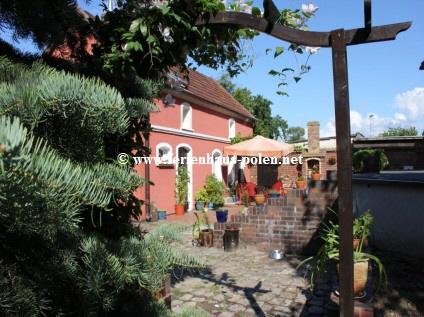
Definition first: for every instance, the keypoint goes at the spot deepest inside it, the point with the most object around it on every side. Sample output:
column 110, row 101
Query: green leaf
column 130, row 46
column 241, row 32
column 273, row 73
column 143, row 30
column 256, row 12
column 296, row 79
column 165, row 10
column 278, row 51
column 268, row 50
column 282, row 93
column 282, row 84
column 137, row 46
column 286, row 69
column 299, row 50
column 134, row 25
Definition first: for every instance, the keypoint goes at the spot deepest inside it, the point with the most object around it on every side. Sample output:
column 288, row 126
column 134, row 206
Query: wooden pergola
column 338, row 40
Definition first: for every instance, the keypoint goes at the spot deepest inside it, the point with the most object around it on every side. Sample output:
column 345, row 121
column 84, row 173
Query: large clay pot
column 356, row 242
column 360, row 276
column 206, row 238
column 259, row 199
column 316, row 177
column 300, row 184
column 179, row 210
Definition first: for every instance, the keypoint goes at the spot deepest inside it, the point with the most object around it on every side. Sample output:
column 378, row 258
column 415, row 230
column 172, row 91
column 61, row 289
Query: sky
column 385, row 85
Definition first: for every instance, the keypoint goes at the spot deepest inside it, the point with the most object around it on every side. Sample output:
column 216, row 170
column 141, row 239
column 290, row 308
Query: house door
column 267, row 175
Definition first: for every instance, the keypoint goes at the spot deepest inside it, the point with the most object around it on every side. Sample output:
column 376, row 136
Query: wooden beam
column 344, row 170
column 307, row 38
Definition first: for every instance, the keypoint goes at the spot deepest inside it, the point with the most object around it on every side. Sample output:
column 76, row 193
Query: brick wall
column 287, row 222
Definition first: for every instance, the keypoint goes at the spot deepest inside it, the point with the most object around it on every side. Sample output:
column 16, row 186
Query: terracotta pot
column 300, row 184
column 360, row 276
column 206, row 238
column 179, row 210
column 260, row 199
column 356, row 242
column 316, row 177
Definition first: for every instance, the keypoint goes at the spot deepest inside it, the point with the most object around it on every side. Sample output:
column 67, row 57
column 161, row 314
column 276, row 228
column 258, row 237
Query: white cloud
column 412, row 102
column 369, row 124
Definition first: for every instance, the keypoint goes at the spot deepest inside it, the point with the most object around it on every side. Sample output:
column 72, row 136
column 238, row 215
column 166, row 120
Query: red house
column 196, row 121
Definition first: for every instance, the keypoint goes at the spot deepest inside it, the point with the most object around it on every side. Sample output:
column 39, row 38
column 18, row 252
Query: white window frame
column 168, row 147
column 219, row 163
column 189, row 169
column 187, row 121
column 231, row 128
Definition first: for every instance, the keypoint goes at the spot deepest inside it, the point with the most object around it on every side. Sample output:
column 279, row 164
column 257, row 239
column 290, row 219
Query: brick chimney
column 313, row 137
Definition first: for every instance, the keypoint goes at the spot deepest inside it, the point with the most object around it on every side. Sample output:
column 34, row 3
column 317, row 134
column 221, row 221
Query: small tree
column 181, row 186
column 400, row 132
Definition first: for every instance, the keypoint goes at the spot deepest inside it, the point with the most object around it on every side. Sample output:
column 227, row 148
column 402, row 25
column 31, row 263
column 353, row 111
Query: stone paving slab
column 247, row 283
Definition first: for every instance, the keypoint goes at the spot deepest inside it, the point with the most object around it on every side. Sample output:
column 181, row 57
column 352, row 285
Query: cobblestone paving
column 247, row 283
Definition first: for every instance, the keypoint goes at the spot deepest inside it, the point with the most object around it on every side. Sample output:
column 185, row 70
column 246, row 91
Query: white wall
column 398, row 210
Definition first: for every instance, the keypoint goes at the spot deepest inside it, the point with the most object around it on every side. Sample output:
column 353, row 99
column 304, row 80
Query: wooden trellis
column 338, row 40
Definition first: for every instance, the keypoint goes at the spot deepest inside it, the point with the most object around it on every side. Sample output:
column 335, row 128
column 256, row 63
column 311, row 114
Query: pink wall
column 205, row 121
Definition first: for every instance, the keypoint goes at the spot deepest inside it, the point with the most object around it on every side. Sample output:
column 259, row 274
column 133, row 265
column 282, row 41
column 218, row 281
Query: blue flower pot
column 221, row 215
column 161, row 214
column 210, row 205
column 235, row 198
column 275, row 195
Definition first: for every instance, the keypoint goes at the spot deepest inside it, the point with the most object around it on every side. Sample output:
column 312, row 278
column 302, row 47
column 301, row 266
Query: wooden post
column 147, row 177
column 344, row 170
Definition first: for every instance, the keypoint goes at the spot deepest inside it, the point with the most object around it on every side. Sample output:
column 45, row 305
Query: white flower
column 124, row 46
column 159, row 4
column 309, row 8
column 246, row 8
column 168, row 100
column 166, row 33
column 299, row 22
column 312, row 50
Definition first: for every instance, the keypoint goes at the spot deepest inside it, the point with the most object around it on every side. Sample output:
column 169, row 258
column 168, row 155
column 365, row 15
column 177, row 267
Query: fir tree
column 66, row 244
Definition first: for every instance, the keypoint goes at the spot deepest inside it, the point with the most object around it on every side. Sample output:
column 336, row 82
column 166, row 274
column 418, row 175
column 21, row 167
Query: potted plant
column 315, row 175
column 201, row 198
column 260, row 196
column 362, row 229
column 329, row 253
column 221, row 214
column 332, row 160
column 215, row 191
column 274, row 193
column 300, row 182
column 204, row 237
column 181, row 190
column 217, row 202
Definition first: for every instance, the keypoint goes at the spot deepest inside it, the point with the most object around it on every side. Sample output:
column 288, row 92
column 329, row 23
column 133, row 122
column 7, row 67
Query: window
column 164, row 151
column 231, row 128
column 186, row 116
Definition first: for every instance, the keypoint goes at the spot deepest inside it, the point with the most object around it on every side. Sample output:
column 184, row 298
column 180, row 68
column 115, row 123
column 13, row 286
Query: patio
column 247, row 283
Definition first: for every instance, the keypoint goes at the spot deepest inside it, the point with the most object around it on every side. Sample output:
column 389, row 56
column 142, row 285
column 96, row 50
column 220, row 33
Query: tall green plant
column 329, row 251
column 181, row 186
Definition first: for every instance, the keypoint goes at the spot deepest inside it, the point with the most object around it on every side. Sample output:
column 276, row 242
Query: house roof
column 210, row 90
column 357, row 135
